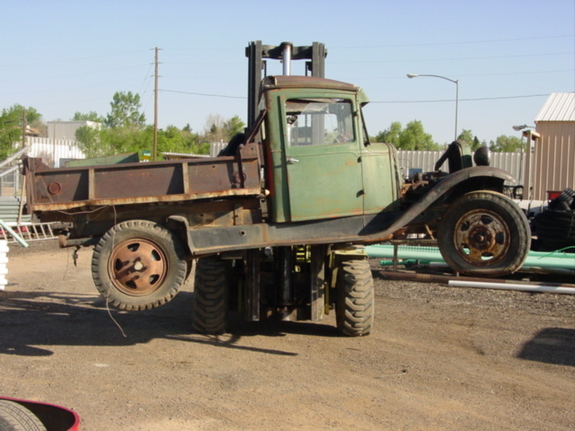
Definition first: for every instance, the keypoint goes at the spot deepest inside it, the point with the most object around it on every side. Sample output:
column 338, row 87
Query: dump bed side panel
column 120, row 184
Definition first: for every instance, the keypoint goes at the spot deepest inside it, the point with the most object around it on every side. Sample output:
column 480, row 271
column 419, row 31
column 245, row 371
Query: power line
column 376, row 101
column 461, row 100
column 456, row 42
column 492, row 57
column 203, row 94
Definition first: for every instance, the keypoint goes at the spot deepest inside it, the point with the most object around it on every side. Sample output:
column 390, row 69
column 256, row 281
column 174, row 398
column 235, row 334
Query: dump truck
column 276, row 224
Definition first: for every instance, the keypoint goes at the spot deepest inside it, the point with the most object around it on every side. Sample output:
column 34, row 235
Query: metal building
column 552, row 167
column 67, row 129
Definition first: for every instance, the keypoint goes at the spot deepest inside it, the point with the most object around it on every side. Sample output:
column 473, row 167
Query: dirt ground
column 440, row 358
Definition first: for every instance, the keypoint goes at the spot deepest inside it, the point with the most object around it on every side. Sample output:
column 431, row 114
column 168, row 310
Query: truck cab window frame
column 317, row 122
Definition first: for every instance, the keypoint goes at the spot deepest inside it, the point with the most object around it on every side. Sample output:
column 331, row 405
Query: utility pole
column 155, row 151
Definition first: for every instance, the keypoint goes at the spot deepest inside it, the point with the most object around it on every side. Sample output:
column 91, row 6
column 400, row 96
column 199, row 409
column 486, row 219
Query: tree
column 391, row 135
column 214, row 129
column 233, row 126
column 507, row 144
column 468, row 137
column 90, row 142
column 126, row 111
column 217, row 129
column 90, row 116
column 11, row 126
column 412, row 137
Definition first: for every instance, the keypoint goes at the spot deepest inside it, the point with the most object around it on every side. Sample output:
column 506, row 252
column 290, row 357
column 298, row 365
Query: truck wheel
column 211, row 296
column 138, row 265
column 484, row 234
column 355, row 298
column 16, row 417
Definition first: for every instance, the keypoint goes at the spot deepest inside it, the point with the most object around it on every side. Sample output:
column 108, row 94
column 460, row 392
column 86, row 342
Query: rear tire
column 138, row 265
column 16, row 417
column 211, row 287
column 355, row 298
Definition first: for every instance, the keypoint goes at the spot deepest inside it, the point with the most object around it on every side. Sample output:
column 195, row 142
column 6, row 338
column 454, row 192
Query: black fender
column 452, row 186
column 180, row 226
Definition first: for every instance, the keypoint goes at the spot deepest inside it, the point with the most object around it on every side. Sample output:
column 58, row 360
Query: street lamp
column 455, row 81
column 522, row 127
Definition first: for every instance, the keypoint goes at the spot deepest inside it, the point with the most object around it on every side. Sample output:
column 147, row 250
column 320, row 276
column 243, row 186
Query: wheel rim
column 482, row 237
column 137, row 266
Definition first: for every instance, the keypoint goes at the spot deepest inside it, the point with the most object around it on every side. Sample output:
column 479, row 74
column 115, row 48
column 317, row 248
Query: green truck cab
column 323, row 165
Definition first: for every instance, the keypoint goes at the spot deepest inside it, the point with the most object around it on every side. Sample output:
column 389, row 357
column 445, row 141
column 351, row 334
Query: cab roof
column 291, row 81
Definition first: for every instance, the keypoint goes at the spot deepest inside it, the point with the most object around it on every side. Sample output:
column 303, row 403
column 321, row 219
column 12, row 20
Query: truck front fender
column 452, row 186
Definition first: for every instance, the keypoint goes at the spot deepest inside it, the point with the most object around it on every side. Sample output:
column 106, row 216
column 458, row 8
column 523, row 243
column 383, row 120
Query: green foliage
column 472, row 140
column 90, row 116
column 391, row 135
column 89, row 141
column 412, row 137
column 11, row 127
column 125, row 111
column 125, row 131
column 507, row 144
column 119, row 140
column 175, row 140
column 217, row 129
column 233, row 126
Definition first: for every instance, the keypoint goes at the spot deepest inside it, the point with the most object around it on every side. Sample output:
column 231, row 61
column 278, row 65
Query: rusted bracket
column 252, row 134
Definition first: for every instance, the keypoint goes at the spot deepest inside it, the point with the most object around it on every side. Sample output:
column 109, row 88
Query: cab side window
column 319, row 122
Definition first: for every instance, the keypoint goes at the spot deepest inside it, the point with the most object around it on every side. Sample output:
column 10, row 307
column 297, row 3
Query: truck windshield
column 319, row 121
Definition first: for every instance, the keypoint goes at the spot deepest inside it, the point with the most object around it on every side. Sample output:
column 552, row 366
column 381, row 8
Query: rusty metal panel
column 216, row 177
column 171, row 181
column 137, row 181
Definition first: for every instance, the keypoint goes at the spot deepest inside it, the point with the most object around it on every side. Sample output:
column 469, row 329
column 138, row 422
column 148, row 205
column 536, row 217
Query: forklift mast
column 257, row 53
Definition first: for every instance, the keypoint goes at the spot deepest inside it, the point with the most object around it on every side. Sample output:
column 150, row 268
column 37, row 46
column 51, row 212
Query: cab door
column 322, row 158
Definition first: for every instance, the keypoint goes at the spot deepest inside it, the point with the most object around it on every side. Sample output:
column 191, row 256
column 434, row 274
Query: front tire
column 484, row 234
column 211, row 286
column 138, row 265
column 355, row 298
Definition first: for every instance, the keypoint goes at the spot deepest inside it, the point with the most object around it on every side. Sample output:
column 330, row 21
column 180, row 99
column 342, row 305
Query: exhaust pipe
column 287, row 51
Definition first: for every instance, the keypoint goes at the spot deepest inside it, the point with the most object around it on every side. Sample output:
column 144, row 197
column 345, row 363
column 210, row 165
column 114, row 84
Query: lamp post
column 518, row 128
column 455, row 81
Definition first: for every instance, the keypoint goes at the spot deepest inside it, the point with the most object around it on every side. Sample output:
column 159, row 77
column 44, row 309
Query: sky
column 62, row 57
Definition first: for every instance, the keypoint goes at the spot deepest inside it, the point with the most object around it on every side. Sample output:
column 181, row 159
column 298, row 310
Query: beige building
column 550, row 165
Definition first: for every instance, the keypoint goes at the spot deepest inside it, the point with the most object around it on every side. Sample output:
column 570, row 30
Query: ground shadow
column 551, row 346
column 34, row 321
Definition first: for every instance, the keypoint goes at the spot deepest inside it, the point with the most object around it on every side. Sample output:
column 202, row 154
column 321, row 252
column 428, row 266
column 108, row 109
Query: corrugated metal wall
column 67, row 129
column 554, row 158
column 425, row 160
column 216, row 147
column 52, row 151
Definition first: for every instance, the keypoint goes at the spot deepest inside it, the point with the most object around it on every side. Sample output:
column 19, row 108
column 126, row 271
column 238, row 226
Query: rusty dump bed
column 129, row 183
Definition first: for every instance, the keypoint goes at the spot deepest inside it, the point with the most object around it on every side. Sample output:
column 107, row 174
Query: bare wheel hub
column 137, row 266
column 482, row 237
